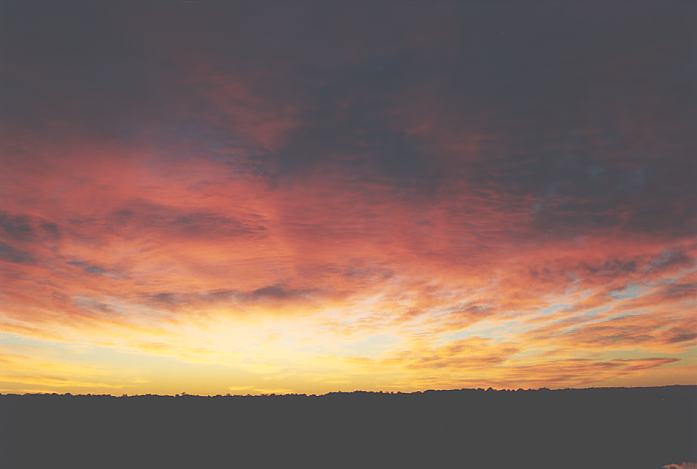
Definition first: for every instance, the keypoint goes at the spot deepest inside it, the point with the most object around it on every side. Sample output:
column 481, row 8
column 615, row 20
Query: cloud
column 88, row 267
column 150, row 217
column 680, row 290
column 23, row 228
column 464, row 354
column 16, row 226
column 392, row 196
column 581, row 372
column 11, row 254
column 278, row 293
column 671, row 260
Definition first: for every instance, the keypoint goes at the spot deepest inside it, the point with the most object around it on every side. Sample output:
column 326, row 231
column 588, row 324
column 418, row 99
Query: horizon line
column 357, row 391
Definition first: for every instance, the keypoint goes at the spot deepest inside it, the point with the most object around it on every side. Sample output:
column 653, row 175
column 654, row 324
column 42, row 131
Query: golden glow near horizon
column 172, row 290
column 179, row 213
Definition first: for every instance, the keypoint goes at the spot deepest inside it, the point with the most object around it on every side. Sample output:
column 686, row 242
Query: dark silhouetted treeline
column 629, row 428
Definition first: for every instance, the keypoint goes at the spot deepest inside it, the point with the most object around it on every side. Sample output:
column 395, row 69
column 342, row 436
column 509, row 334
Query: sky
column 273, row 197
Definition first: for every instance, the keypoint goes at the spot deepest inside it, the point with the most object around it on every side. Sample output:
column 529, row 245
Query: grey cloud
column 613, row 267
column 669, row 259
column 10, row 254
column 273, row 292
column 17, row 227
column 277, row 292
column 680, row 290
column 180, row 222
column 88, row 267
column 594, row 142
column 25, row 228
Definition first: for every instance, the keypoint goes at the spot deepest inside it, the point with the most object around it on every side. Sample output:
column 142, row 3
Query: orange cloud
column 218, row 209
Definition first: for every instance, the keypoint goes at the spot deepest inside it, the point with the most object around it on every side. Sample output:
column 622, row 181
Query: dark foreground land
column 593, row 428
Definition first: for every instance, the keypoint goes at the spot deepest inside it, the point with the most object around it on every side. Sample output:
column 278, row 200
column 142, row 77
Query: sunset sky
column 268, row 197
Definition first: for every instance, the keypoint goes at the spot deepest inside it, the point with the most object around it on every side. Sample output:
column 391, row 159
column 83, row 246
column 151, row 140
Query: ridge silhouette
column 630, row 428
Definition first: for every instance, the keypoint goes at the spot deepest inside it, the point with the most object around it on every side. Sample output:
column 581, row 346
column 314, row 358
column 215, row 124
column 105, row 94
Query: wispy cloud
column 303, row 207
